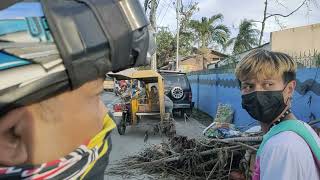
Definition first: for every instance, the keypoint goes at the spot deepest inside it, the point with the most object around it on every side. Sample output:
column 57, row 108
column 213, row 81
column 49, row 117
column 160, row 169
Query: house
column 198, row 62
column 232, row 60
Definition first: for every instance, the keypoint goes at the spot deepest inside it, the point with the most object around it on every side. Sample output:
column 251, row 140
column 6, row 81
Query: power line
column 166, row 11
column 162, row 5
column 164, row 14
column 170, row 4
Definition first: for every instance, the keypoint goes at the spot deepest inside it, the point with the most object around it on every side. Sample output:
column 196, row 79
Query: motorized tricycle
column 144, row 97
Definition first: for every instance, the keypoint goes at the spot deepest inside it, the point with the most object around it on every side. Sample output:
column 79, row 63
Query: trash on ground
column 221, row 130
column 222, row 126
column 224, row 113
column 184, row 158
column 253, row 130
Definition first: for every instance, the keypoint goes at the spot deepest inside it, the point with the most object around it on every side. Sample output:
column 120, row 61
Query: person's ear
column 288, row 92
column 13, row 150
column 291, row 87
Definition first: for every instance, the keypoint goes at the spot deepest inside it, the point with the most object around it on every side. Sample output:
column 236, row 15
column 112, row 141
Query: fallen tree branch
column 213, row 169
column 184, row 158
column 178, row 156
column 239, row 139
column 247, row 146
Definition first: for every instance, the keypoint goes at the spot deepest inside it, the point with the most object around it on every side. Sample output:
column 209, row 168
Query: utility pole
column 178, row 33
column 153, row 22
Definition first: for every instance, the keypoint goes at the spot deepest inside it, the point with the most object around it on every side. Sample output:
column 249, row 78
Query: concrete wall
column 300, row 41
column 210, row 89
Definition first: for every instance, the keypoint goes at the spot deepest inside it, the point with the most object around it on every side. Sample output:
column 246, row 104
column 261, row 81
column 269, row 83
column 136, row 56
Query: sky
column 236, row 10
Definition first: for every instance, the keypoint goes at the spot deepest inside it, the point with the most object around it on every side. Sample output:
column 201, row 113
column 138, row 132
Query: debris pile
column 224, row 113
column 222, row 126
column 184, row 158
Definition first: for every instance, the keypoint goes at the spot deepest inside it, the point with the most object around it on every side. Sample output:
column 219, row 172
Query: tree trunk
column 261, row 33
column 265, row 17
column 263, row 21
column 203, row 42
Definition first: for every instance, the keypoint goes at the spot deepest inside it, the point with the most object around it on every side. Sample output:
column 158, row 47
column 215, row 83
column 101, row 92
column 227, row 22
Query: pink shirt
column 287, row 156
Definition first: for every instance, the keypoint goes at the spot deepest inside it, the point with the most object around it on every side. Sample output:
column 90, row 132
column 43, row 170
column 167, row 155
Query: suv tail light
column 190, row 96
column 117, row 108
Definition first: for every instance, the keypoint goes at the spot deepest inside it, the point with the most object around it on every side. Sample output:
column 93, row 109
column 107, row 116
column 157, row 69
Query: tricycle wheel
column 121, row 126
column 121, row 129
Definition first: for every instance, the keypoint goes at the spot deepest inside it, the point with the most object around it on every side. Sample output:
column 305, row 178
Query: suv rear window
column 175, row 80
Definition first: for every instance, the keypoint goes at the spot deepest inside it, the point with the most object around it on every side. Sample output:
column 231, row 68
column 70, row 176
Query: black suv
column 178, row 89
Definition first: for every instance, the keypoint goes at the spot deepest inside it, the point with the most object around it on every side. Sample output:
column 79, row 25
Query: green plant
column 318, row 60
column 246, row 39
column 210, row 30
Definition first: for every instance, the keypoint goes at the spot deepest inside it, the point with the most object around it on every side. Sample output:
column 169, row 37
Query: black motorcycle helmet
column 63, row 44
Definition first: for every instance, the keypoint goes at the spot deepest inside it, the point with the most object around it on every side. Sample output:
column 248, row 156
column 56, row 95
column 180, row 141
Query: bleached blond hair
column 262, row 64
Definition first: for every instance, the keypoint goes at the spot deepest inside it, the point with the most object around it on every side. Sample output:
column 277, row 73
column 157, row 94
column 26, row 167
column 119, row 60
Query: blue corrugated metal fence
column 211, row 88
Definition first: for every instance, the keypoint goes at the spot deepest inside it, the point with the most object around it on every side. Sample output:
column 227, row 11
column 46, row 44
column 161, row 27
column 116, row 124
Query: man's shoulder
column 290, row 139
column 290, row 147
column 284, row 152
column 287, row 140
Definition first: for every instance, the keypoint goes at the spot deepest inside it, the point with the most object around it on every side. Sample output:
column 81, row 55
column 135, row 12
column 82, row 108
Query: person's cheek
column 103, row 109
column 97, row 110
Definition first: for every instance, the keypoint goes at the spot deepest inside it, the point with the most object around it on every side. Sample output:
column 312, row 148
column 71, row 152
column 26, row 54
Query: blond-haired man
column 290, row 148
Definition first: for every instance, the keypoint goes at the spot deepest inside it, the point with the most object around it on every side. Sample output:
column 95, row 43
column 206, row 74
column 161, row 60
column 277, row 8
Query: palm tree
column 247, row 37
column 209, row 30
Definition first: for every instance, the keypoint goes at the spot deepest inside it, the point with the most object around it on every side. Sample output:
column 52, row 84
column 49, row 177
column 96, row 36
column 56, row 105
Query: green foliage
column 186, row 43
column 247, row 37
column 210, row 30
column 166, row 41
column 165, row 46
column 318, row 60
